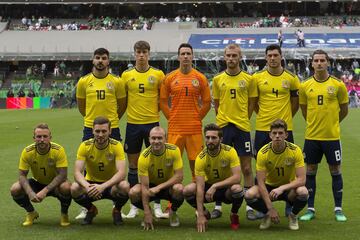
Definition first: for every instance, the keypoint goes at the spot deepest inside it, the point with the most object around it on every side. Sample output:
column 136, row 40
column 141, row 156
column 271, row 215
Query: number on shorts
column 338, row 155
column 247, row 147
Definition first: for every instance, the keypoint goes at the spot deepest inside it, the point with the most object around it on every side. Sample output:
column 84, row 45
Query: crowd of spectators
column 281, row 21
column 44, row 23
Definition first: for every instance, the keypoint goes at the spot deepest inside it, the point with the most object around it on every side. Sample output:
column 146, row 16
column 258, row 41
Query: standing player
column 278, row 98
column 217, row 171
column 142, row 84
column 234, row 93
column 104, row 160
column 100, row 93
column 48, row 163
column 280, row 172
column 161, row 175
column 189, row 94
column 324, row 104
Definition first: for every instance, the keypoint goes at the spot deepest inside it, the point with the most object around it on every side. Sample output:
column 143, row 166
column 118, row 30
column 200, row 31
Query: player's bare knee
column 16, row 189
column 335, row 169
column 189, row 190
column 311, row 169
column 236, row 188
column 135, row 192
column 252, row 193
column 302, row 191
column 124, row 186
column 65, row 188
column 178, row 189
column 75, row 190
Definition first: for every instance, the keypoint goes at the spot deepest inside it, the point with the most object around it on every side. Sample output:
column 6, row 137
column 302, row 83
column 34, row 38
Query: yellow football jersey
column 143, row 90
column 233, row 93
column 280, row 167
column 101, row 96
column 43, row 166
column 274, row 98
column 160, row 168
column 100, row 164
column 323, row 100
column 216, row 168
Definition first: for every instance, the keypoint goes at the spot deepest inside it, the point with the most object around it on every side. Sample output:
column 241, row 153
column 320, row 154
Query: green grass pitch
column 16, row 132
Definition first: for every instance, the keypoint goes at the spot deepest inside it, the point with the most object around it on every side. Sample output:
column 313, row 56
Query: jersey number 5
column 141, row 88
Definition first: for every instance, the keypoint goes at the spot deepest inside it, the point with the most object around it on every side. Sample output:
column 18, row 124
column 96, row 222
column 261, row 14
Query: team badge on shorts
column 289, row 161
column 151, row 79
column 285, row 84
column 110, row 85
column 331, row 90
column 110, row 157
column 51, row 162
column 195, row 83
column 242, row 84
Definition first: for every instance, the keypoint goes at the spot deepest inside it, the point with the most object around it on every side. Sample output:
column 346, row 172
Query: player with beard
column 217, row 173
column 104, row 159
column 100, row 93
column 235, row 93
column 48, row 164
column 278, row 98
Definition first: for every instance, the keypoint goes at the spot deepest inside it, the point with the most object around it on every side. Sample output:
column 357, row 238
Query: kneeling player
column 48, row 164
column 280, row 174
column 104, row 160
column 217, row 172
column 161, row 173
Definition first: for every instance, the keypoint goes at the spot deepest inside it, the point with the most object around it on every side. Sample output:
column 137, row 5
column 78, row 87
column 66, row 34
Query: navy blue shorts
column 315, row 149
column 262, row 138
column 238, row 139
column 106, row 194
column 219, row 195
column 88, row 133
column 282, row 197
column 136, row 134
column 37, row 187
column 164, row 194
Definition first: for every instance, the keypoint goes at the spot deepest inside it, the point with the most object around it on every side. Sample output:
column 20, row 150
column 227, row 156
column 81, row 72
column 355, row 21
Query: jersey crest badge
column 169, row 162
column 224, row 163
column 91, row 84
column 110, row 157
column 110, row 85
column 242, row 84
column 151, row 79
column 195, row 83
column 331, row 90
column 289, row 161
column 51, row 162
column 285, row 84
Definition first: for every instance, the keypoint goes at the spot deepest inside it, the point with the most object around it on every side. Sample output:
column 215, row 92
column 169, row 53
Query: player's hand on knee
column 34, row 198
column 210, row 194
column 153, row 191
